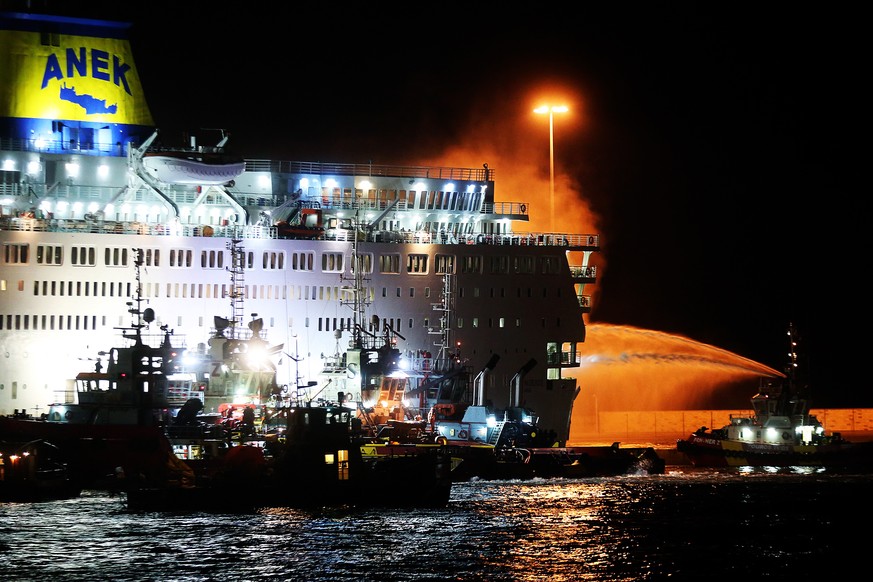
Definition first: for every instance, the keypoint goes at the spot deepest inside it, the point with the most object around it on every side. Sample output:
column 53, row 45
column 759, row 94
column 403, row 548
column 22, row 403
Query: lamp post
column 551, row 110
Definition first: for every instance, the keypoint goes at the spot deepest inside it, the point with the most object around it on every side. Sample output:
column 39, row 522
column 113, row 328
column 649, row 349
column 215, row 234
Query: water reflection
column 682, row 523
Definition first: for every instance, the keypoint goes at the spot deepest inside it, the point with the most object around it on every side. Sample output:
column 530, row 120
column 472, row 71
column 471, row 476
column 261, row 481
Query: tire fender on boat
column 441, row 440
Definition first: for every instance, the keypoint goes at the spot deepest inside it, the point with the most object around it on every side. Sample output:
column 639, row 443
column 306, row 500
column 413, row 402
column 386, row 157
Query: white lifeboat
column 198, row 168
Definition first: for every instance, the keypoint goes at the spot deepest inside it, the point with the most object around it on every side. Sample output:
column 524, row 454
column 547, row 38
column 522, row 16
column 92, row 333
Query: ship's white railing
column 577, row 241
column 143, row 228
column 327, row 169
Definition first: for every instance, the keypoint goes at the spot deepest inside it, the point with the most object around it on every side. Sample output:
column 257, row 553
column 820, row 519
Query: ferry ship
column 437, row 259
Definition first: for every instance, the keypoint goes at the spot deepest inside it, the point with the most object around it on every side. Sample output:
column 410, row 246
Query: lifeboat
column 196, row 168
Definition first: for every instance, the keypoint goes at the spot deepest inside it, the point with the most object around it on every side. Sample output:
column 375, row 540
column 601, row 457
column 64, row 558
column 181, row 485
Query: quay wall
column 669, row 423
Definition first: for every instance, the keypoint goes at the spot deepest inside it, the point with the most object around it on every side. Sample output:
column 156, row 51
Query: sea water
column 685, row 524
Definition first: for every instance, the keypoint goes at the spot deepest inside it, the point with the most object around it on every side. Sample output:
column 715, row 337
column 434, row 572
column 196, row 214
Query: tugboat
column 115, row 423
column 781, row 432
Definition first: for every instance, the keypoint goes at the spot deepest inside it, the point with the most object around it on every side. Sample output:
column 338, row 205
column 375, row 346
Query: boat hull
column 95, row 453
column 35, row 471
column 179, row 170
column 477, row 461
column 406, row 479
column 708, row 451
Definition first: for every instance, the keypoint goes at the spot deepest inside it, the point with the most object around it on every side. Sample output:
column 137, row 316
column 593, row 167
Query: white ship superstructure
column 76, row 199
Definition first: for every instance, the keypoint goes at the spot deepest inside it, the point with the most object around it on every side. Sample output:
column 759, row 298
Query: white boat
column 441, row 261
column 197, row 168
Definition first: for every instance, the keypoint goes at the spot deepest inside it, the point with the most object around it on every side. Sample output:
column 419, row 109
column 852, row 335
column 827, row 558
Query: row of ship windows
column 90, row 322
column 304, row 261
column 282, row 292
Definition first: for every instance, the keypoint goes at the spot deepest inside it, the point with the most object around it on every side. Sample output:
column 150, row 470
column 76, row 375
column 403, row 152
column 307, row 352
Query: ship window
column 302, row 261
column 475, row 322
column 471, row 264
column 459, row 322
column 332, row 262
column 88, row 256
column 15, row 253
column 152, row 257
column 389, row 263
column 115, row 256
column 500, row 264
column 49, row 254
column 416, row 263
column 549, row 266
column 273, row 260
column 177, row 257
column 444, row 264
column 365, row 262
column 212, row 259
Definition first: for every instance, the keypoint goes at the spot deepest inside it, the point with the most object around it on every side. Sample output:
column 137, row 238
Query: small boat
column 116, row 421
column 35, row 471
column 195, row 165
column 781, row 432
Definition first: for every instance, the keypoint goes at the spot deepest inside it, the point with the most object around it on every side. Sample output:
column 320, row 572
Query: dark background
column 717, row 152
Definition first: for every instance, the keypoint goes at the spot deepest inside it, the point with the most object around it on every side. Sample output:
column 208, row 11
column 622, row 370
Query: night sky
column 716, row 153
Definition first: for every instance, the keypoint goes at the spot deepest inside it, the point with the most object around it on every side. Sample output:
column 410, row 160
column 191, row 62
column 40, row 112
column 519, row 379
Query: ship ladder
column 496, row 432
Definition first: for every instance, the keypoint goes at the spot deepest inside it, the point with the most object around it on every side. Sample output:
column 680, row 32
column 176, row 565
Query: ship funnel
column 515, row 395
column 479, row 382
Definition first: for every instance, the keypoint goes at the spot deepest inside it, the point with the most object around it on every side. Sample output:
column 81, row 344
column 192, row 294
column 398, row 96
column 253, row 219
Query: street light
column 551, row 110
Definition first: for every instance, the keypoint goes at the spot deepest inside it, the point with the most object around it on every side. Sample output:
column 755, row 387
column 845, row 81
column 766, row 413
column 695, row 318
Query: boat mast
column 134, row 308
